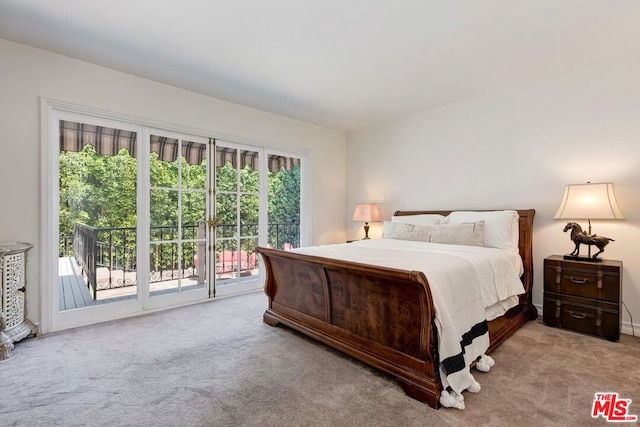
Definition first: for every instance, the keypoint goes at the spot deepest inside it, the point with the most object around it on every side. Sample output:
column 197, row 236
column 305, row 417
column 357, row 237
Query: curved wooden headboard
column 525, row 241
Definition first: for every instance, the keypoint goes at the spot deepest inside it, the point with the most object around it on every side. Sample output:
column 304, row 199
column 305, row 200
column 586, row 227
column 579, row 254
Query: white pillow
column 454, row 234
column 399, row 231
column 468, row 233
column 422, row 219
column 501, row 228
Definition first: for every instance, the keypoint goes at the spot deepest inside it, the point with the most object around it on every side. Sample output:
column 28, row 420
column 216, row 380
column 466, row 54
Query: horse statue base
column 580, row 237
column 582, row 258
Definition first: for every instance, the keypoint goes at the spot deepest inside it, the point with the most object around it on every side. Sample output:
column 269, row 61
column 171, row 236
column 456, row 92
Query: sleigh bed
column 382, row 316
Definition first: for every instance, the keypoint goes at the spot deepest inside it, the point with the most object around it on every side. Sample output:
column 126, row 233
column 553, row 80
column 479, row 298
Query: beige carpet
column 218, row 364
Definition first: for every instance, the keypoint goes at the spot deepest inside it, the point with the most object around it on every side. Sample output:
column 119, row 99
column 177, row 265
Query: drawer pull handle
column 578, row 280
column 577, row 315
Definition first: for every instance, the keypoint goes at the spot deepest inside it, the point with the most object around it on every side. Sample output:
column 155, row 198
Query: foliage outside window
column 100, row 191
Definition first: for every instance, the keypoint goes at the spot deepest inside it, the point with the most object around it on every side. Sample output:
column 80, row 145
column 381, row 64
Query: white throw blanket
column 464, row 280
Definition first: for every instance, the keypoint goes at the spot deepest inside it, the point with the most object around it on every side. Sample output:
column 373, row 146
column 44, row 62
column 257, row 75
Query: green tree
column 101, row 191
column 284, row 206
column 96, row 190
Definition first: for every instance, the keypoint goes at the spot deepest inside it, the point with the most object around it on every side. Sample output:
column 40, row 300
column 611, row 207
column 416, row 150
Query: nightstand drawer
column 589, row 280
column 582, row 318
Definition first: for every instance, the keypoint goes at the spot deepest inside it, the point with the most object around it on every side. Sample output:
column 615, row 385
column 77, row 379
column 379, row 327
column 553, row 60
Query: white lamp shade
column 589, row 201
column 367, row 212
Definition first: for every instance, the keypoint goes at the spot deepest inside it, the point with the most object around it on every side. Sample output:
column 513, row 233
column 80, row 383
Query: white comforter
column 464, row 282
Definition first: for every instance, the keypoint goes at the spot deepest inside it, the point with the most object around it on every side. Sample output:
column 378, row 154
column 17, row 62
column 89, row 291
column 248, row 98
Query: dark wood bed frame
column 381, row 316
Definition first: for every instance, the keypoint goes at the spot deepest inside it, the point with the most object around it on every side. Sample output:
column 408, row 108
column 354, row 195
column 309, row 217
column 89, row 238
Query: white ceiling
column 345, row 64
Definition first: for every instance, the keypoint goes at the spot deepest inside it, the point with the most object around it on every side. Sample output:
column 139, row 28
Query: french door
column 180, row 205
column 94, row 168
column 140, row 217
column 238, row 183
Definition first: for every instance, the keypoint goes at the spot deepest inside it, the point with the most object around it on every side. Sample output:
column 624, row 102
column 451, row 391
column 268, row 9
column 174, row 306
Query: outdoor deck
column 74, row 292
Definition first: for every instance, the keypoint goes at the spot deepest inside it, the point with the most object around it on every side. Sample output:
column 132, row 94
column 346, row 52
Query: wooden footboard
column 381, row 316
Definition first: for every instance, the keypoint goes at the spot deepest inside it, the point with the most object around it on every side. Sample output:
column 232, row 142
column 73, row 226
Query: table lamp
column 588, row 201
column 366, row 212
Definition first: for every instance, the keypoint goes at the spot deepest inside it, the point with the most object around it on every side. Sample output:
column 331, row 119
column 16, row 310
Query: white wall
column 516, row 148
column 27, row 73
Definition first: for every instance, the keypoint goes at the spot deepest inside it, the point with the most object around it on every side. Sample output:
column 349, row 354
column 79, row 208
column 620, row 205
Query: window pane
column 283, row 183
column 250, row 172
column 249, row 208
column 97, row 215
column 164, row 262
column 164, row 215
column 249, row 257
column 163, row 165
column 226, row 208
column 194, row 210
column 226, row 172
column 194, row 165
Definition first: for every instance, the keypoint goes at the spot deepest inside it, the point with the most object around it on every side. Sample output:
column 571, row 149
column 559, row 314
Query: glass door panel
column 114, row 262
column 284, row 196
column 178, row 211
column 97, row 214
column 237, row 204
column 249, row 257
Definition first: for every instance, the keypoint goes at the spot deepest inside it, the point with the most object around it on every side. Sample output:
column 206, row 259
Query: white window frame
column 51, row 111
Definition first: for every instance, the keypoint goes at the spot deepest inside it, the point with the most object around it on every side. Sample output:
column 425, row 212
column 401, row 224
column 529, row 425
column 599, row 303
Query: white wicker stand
column 14, row 324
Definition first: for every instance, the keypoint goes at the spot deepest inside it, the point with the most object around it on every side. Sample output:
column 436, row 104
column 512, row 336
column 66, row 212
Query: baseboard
column 626, row 328
column 539, row 307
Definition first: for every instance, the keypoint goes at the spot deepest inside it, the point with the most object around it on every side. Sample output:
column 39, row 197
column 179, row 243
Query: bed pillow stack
column 501, row 229
column 494, row 229
column 468, row 233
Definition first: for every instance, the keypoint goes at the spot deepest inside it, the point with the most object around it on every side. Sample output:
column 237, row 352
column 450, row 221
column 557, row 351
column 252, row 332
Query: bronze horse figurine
column 580, row 237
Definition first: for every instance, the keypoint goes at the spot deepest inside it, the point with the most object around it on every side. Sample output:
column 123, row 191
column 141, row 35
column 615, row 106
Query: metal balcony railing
column 108, row 259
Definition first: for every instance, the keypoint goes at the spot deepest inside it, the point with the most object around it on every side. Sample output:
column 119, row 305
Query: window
column 130, row 211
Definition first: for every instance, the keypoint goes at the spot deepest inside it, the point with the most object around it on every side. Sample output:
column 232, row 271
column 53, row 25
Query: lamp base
column 366, row 230
column 582, row 258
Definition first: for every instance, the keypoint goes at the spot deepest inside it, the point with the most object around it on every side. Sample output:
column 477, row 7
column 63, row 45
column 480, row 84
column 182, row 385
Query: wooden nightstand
column 583, row 296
